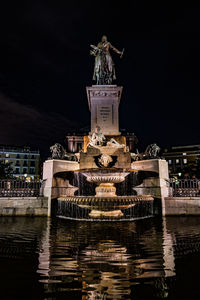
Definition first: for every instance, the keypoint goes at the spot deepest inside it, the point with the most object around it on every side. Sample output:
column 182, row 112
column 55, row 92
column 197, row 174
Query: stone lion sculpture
column 58, row 152
column 152, row 151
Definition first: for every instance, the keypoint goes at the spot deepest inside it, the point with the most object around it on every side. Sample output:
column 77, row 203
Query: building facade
column 24, row 161
column 183, row 161
column 75, row 142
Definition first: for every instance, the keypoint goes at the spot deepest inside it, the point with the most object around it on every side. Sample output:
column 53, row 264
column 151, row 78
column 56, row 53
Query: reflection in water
column 168, row 251
column 19, row 248
column 44, row 253
column 59, row 259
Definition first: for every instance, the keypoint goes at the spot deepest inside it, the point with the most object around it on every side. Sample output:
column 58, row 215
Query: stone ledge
column 182, row 198
column 23, row 206
column 182, row 206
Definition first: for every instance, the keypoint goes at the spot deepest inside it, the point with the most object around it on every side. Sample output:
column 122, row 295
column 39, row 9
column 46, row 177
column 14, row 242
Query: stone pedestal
column 120, row 158
column 155, row 186
column 105, row 180
column 54, row 187
column 106, row 190
column 103, row 101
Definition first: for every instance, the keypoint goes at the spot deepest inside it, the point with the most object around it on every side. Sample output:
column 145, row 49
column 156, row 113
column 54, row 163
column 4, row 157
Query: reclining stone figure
column 97, row 138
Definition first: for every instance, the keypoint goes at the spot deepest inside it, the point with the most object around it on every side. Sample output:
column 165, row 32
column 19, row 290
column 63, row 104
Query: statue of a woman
column 104, row 69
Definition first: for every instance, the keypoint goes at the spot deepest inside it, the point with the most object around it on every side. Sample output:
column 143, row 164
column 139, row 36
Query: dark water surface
column 60, row 259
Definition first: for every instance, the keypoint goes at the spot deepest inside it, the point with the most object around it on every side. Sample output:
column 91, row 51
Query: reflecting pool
column 59, row 259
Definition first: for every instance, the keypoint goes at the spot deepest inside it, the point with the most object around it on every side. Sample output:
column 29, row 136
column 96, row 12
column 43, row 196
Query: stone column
column 48, row 182
column 70, row 144
column 164, row 185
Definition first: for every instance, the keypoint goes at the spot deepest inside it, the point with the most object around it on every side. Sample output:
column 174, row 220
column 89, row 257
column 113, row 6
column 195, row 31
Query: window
column 177, row 161
column 33, row 157
column 32, row 170
column 184, row 153
column 32, row 164
column 6, row 161
column 17, row 163
column 185, row 160
column 18, row 156
column 7, row 155
column 170, row 161
column 25, row 163
column 24, row 170
column 25, row 156
column 16, row 170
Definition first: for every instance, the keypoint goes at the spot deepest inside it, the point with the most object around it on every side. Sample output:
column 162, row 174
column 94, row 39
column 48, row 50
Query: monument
column 83, row 186
column 104, row 97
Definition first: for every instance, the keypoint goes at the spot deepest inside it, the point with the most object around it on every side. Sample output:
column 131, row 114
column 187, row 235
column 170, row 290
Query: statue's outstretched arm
column 115, row 49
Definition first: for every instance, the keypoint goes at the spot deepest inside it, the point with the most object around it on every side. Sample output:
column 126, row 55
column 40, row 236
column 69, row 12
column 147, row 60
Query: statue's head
column 104, row 38
column 97, row 129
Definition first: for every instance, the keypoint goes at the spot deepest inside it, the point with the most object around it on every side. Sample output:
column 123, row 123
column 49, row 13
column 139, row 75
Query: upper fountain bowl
column 105, row 176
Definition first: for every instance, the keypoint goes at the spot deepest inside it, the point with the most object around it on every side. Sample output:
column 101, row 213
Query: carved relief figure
column 105, row 160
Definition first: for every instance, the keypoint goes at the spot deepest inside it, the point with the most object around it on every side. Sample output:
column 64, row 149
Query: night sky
column 45, row 66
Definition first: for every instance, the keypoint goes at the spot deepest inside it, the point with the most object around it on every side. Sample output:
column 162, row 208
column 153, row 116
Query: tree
column 6, row 170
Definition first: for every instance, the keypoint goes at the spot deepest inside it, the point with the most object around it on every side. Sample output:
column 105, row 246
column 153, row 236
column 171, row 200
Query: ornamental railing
column 184, row 188
column 19, row 188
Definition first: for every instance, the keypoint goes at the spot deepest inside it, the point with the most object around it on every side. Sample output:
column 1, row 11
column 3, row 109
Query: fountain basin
column 90, row 208
column 105, row 177
column 105, row 180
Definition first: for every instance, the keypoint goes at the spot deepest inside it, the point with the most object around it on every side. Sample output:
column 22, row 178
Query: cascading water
column 85, row 188
column 85, row 205
column 80, row 208
column 126, row 187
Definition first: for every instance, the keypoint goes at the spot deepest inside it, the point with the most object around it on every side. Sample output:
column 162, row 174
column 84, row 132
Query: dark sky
column 45, row 66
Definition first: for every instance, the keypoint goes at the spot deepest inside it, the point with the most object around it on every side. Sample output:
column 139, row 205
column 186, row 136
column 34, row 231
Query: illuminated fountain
column 105, row 205
column 110, row 164
column 104, row 161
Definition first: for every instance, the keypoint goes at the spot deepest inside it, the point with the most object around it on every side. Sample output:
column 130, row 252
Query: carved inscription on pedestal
column 104, row 94
column 104, row 115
